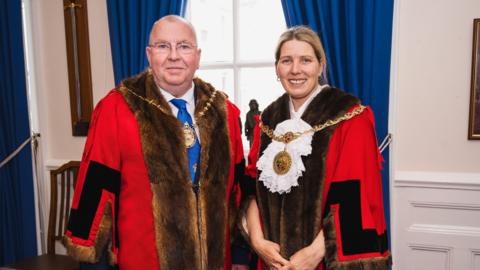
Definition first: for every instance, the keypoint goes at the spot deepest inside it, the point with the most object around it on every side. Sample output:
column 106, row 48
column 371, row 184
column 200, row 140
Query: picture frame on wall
column 474, row 118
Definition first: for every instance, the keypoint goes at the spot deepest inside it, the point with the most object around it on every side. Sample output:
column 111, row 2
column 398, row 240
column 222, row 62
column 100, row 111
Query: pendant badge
column 189, row 134
column 282, row 162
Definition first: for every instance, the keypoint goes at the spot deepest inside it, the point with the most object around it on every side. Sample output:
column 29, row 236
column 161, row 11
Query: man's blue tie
column 194, row 150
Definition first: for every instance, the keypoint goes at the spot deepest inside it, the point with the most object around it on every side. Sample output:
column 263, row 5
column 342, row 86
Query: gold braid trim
column 290, row 136
column 200, row 114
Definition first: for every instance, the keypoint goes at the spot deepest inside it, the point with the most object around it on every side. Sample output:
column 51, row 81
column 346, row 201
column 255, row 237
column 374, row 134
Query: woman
column 318, row 202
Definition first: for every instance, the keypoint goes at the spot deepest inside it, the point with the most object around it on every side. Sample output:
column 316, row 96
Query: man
column 157, row 172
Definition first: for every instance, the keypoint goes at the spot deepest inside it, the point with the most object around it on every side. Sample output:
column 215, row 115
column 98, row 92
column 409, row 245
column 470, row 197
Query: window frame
column 236, row 64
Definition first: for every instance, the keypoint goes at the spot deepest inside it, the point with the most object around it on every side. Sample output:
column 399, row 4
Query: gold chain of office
column 156, row 105
column 290, row 136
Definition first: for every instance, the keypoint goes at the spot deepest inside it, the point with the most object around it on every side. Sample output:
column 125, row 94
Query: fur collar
column 294, row 219
column 178, row 224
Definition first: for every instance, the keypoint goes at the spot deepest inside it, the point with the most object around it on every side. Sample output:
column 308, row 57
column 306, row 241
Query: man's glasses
column 183, row 48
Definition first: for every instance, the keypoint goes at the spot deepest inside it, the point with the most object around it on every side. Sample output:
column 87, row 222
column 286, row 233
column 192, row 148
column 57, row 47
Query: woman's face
column 298, row 70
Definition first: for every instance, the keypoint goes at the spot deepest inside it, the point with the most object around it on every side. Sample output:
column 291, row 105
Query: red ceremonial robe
column 339, row 192
column 134, row 192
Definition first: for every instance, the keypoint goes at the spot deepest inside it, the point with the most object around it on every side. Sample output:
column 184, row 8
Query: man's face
column 173, row 64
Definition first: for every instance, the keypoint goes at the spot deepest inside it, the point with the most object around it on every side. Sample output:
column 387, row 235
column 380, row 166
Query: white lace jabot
column 301, row 146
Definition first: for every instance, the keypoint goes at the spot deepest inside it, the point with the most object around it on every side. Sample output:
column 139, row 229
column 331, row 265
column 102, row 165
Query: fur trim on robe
column 291, row 228
column 178, row 224
column 293, row 220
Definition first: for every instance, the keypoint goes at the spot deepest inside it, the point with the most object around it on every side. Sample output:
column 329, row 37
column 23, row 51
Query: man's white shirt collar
column 189, row 96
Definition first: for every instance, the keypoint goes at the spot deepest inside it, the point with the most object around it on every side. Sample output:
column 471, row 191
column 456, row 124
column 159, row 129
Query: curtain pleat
column 17, row 208
column 356, row 35
column 130, row 23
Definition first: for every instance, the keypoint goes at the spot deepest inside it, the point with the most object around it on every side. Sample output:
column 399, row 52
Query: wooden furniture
column 46, row 262
column 62, row 183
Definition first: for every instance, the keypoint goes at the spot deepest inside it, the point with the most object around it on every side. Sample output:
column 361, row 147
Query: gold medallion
column 189, row 134
column 282, row 162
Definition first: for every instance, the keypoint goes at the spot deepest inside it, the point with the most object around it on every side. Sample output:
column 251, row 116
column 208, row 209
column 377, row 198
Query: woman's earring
column 278, row 78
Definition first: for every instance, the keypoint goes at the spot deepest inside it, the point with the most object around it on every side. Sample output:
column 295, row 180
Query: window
column 238, row 40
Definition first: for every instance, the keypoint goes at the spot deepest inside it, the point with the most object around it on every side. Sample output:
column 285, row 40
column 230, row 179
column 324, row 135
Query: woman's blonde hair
column 302, row 33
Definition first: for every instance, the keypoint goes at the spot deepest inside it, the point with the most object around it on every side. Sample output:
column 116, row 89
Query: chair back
column 62, row 184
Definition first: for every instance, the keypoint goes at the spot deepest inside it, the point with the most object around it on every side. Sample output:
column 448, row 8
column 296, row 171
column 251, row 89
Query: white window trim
column 40, row 192
column 236, row 64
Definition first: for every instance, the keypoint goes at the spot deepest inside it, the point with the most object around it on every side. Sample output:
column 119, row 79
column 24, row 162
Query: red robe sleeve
column 237, row 158
column 354, row 223
column 237, row 168
column 91, row 227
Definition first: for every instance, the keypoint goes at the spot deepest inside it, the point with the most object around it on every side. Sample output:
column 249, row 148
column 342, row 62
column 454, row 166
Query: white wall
column 433, row 51
column 52, row 75
column 435, row 169
column 51, row 82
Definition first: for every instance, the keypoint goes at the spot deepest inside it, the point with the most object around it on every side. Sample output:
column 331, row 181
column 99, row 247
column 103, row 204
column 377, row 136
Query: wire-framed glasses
column 163, row 47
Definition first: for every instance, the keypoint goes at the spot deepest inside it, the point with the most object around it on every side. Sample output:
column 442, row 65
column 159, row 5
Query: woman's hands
column 309, row 257
column 306, row 258
column 269, row 252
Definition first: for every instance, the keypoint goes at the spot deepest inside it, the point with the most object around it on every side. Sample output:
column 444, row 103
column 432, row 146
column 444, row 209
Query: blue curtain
column 130, row 23
column 17, row 208
column 357, row 37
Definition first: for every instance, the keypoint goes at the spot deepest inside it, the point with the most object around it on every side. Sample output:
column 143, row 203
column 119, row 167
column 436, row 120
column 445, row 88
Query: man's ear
column 148, row 52
column 199, row 57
